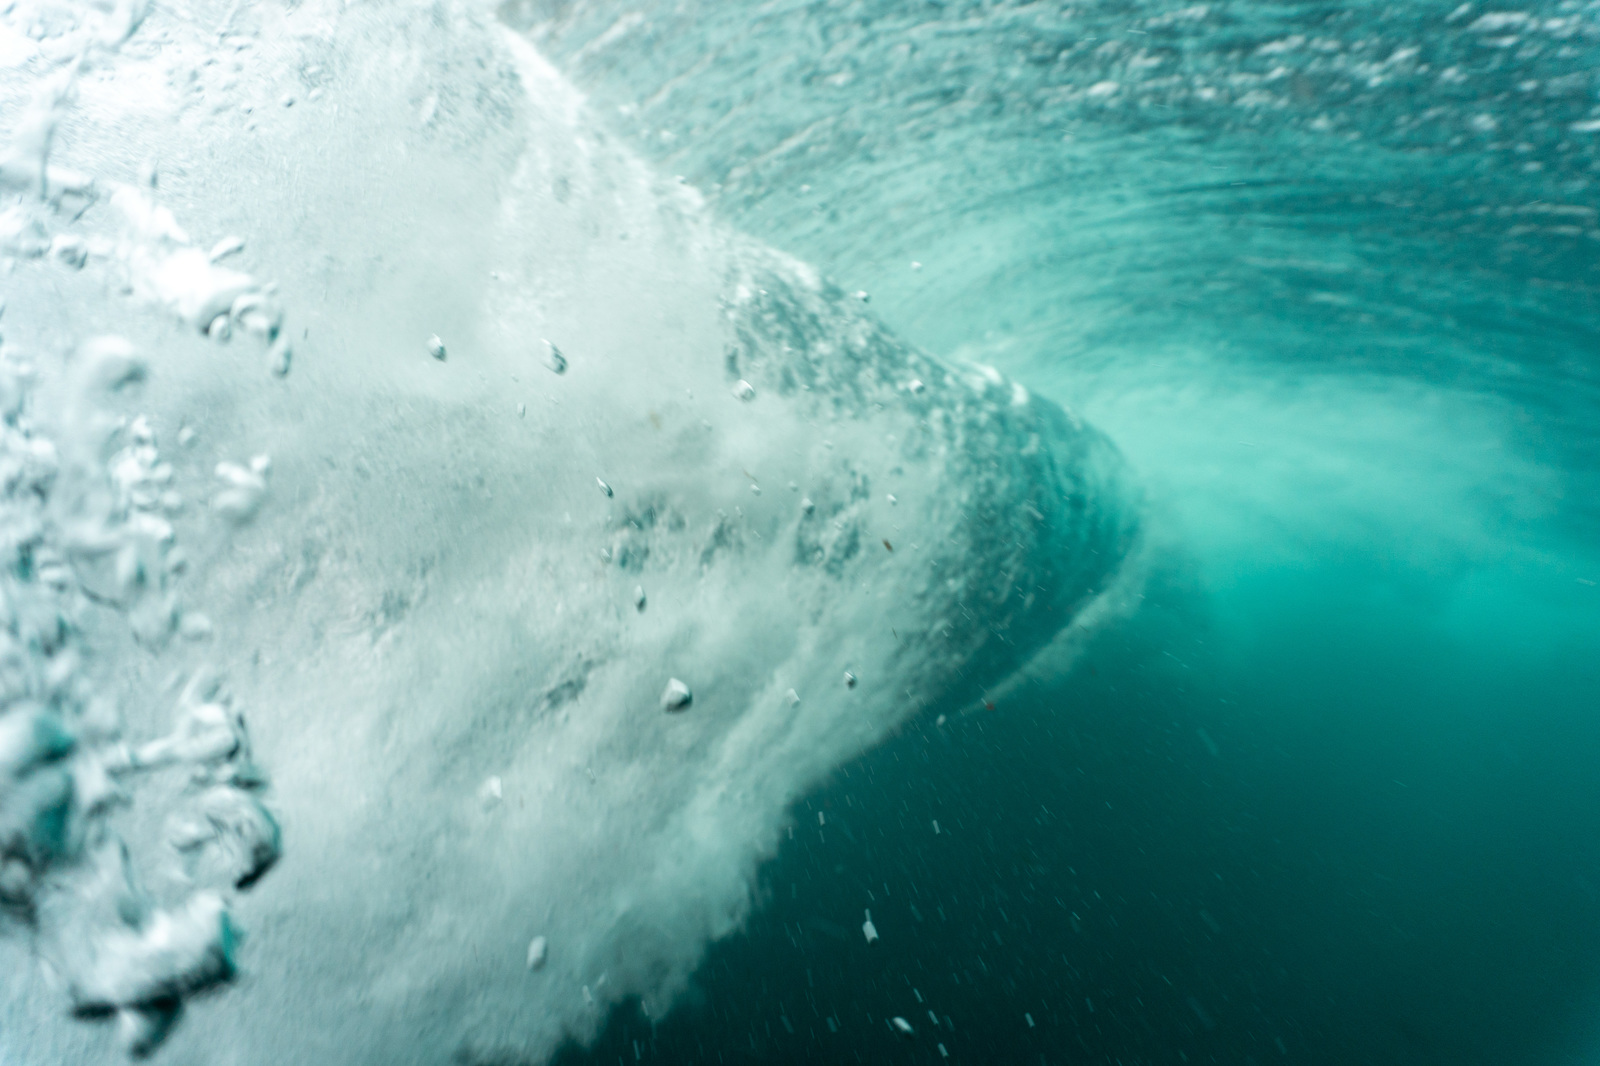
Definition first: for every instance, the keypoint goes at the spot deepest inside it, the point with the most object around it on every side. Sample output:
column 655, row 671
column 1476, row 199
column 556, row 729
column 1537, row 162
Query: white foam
column 428, row 593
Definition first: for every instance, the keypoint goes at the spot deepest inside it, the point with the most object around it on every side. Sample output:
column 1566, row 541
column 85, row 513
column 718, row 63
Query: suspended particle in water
column 861, row 294
column 916, row 387
column 279, row 358
column 902, row 1026
column 538, row 952
column 849, row 679
column 870, row 931
column 639, row 598
column 1029, row 1019
column 554, row 359
column 676, row 696
column 436, row 348
column 522, row 410
column 806, row 506
column 792, row 697
column 744, row 391
column 604, row 488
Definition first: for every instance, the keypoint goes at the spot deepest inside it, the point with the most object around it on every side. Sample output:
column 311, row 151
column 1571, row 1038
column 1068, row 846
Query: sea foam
column 411, row 587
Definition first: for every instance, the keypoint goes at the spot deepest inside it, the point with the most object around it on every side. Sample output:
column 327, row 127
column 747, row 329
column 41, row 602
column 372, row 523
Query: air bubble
column 554, row 359
column 225, row 247
column 676, row 696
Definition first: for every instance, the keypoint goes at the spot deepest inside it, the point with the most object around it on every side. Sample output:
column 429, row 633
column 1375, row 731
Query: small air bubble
column 676, row 696
column 554, row 359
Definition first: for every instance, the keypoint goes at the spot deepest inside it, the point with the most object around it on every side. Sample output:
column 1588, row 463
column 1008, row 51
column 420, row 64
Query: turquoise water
column 518, row 520
column 1326, row 274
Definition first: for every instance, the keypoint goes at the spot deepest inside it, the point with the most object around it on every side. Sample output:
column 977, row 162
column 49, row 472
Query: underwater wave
column 437, row 553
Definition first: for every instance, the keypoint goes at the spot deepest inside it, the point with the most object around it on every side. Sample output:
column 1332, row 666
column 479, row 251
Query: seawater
column 1326, row 274
column 1299, row 298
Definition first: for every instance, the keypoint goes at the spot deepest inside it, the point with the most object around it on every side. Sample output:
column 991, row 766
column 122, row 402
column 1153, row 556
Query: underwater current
column 799, row 531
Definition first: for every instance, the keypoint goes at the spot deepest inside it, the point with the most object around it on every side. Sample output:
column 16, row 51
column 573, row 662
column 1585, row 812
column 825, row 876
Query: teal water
column 1326, row 274
column 467, row 596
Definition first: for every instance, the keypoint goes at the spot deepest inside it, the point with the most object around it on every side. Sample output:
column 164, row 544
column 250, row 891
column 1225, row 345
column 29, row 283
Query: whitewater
column 530, row 632
column 860, row 531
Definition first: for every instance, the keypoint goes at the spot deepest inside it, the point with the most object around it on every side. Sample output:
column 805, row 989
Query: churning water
column 800, row 531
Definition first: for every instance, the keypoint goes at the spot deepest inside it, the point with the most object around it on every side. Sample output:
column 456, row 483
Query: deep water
column 1310, row 811
column 1327, row 275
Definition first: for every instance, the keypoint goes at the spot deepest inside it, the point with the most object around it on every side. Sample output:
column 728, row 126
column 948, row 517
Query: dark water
column 1327, row 273
column 1377, row 863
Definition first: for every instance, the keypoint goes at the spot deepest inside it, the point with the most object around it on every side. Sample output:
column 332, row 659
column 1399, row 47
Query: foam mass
column 487, row 544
